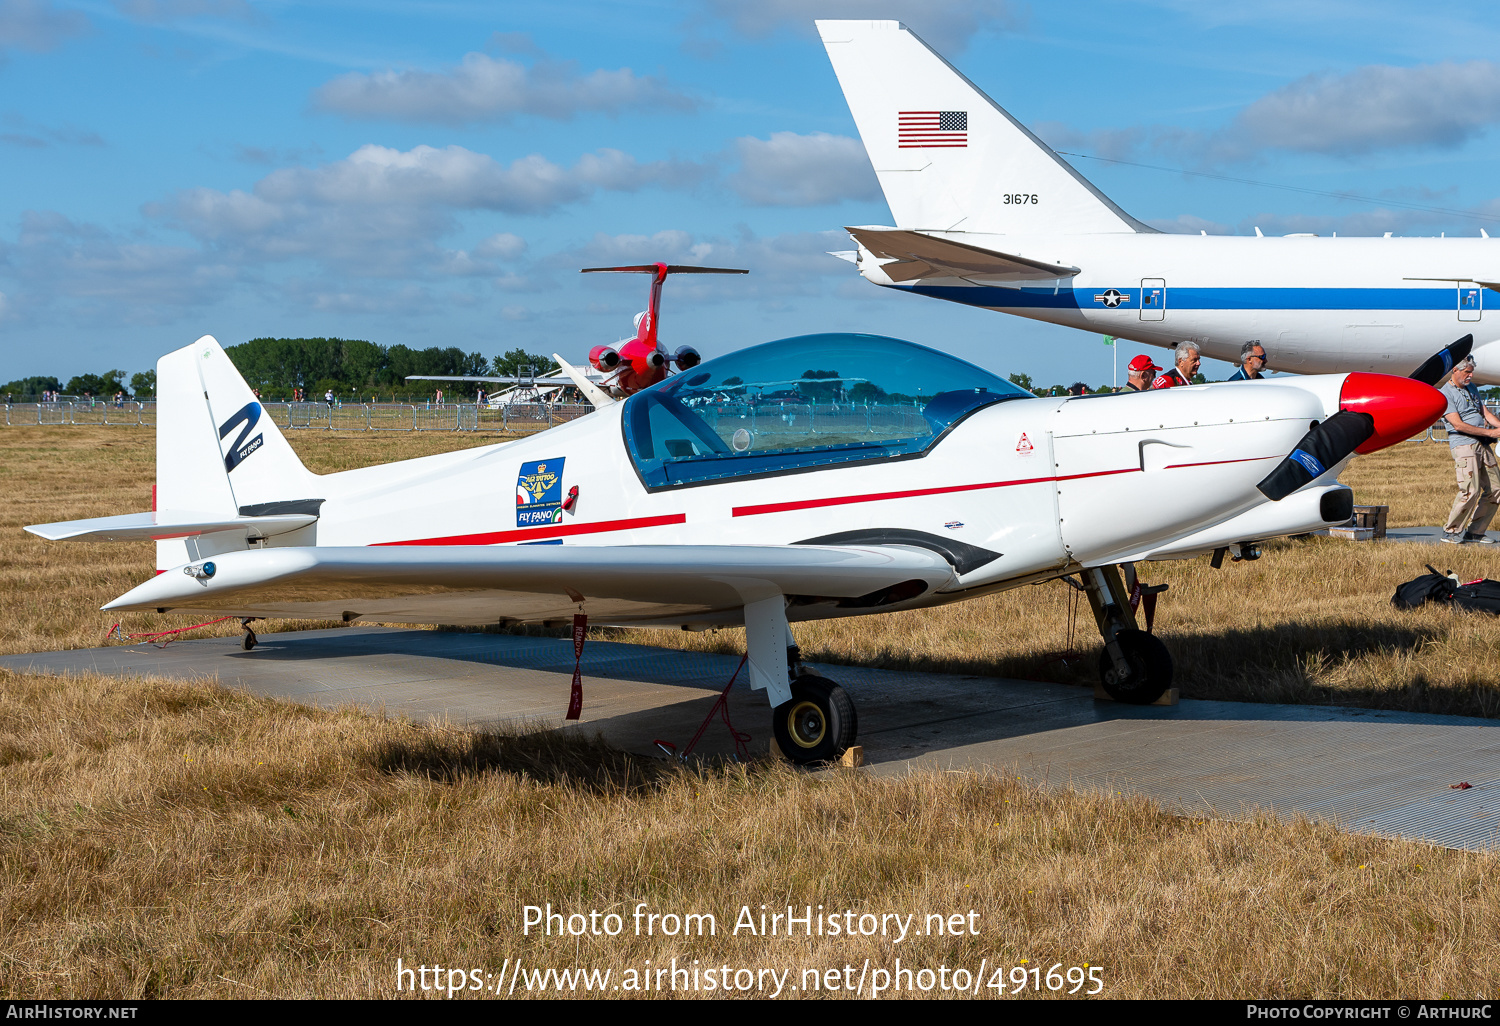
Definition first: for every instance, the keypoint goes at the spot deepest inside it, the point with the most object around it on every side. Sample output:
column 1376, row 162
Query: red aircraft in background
column 640, row 362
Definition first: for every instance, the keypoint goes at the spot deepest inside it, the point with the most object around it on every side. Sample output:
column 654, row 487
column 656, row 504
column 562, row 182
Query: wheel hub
column 806, row 724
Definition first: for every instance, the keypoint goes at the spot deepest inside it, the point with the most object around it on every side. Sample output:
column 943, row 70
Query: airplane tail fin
column 217, row 450
column 947, row 156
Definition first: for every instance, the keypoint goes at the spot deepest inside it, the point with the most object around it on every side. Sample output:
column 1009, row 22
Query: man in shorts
column 1472, row 430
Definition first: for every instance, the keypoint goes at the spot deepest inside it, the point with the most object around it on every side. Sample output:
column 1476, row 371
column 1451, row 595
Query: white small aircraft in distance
column 988, row 215
column 822, row 476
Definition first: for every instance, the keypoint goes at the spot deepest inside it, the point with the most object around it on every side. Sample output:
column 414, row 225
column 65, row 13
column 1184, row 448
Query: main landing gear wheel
column 818, row 724
column 1150, row 668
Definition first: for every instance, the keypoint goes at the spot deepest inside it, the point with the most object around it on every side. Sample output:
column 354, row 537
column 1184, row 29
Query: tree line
column 276, row 367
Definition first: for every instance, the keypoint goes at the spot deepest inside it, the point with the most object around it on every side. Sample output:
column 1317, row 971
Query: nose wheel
column 1150, row 668
column 818, row 724
column 1135, row 666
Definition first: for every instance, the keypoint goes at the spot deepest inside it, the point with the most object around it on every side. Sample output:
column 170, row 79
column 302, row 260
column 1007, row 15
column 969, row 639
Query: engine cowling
column 686, row 358
column 604, row 358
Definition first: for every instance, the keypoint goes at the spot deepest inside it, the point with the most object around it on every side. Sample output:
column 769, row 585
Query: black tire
column 1150, row 664
column 248, row 642
column 818, row 724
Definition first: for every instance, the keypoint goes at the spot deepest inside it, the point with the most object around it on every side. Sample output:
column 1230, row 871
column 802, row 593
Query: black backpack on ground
column 1480, row 596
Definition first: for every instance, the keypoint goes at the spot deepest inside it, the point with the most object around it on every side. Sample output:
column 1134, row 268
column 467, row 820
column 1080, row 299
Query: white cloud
column 791, row 170
column 784, row 264
column 33, row 135
column 1377, row 107
column 484, row 88
column 167, row 10
column 503, row 245
column 1372, row 108
column 381, row 212
column 1188, row 224
column 107, row 277
column 36, row 25
column 947, row 24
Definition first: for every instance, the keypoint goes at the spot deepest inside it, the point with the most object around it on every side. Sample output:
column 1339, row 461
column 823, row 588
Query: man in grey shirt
column 1472, row 430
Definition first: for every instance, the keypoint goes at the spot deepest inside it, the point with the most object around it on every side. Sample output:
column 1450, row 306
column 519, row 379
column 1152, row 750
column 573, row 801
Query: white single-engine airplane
column 821, row 476
column 988, row 215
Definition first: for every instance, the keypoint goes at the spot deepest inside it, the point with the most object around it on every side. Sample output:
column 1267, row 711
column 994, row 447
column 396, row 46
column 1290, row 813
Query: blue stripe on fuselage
column 1188, row 298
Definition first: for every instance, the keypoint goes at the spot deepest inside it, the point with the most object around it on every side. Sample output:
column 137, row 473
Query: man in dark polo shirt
column 1252, row 363
column 1472, row 430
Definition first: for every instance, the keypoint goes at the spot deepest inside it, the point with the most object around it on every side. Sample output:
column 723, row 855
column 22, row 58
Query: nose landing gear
column 1135, row 666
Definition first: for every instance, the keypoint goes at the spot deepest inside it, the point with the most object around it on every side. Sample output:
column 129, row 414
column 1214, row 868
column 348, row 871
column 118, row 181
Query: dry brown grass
column 181, row 840
column 1310, row 622
column 54, row 590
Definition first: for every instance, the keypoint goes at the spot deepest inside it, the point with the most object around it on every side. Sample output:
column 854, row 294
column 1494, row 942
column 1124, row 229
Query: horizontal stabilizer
column 168, row 524
column 918, row 255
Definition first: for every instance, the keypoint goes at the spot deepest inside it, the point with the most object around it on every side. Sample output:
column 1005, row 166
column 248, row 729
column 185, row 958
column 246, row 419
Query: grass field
column 181, row 840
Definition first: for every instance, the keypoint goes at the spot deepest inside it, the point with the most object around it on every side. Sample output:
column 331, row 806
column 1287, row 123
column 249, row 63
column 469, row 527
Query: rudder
column 217, row 450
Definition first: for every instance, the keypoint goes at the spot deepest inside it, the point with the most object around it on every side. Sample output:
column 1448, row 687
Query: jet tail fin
column 947, row 156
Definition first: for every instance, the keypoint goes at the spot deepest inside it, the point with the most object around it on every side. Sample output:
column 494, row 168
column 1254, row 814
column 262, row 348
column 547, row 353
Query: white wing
column 485, row 584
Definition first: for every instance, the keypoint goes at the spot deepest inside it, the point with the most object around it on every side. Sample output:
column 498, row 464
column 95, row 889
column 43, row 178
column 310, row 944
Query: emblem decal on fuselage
column 1024, row 446
column 1111, row 297
column 539, row 493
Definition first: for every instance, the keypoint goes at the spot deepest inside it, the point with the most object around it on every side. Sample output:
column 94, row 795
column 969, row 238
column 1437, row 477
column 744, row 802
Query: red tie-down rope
column 150, row 636
column 580, row 632
column 720, row 706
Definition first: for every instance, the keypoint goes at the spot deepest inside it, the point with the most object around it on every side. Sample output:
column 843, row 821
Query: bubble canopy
column 802, row 404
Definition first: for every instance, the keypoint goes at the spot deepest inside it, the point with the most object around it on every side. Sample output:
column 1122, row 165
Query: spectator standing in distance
column 1140, row 372
column 1187, row 359
column 1252, row 363
column 328, row 397
column 1472, row 430
column 439, row 400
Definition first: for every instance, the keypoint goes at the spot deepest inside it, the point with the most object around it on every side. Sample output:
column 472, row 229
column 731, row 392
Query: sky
column 435, row 173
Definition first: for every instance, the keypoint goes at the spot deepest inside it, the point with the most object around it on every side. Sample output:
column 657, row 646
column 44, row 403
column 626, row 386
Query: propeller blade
column 1441, row 362
column 1326, row 445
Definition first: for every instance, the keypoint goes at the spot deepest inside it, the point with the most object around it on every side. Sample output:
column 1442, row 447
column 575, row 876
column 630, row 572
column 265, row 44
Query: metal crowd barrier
column 517, row 417
column 98, row 412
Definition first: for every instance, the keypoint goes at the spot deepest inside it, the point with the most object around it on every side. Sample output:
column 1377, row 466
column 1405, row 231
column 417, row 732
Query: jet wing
column 171, row 524
column 916, row 255
column 486, row 584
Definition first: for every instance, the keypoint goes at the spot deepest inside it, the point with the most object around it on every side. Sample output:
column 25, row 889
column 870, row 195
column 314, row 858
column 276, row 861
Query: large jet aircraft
column 988, row 215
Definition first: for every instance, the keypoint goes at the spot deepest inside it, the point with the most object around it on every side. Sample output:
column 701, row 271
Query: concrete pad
column 1369, row 771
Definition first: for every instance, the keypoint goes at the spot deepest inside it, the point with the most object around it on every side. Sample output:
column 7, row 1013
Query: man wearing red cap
column 1142, row 373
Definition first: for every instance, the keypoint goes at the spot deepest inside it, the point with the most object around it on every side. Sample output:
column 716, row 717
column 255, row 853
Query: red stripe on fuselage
column 841, row 500
column 552, row 531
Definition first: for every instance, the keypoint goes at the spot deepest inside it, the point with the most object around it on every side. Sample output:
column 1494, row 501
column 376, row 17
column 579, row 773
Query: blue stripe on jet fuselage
column 1187, row 298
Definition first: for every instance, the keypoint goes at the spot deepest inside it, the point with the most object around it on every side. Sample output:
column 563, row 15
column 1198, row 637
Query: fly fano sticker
column 539, row 493
column 235, row 454
column 1024, row 446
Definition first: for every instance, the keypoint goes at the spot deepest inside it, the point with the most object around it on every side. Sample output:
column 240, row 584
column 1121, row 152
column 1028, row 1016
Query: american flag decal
column 926, row 129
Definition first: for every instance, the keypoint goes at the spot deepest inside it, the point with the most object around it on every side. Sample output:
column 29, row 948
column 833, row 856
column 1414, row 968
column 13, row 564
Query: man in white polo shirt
column 1472, row 430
